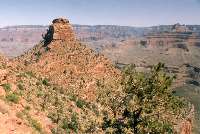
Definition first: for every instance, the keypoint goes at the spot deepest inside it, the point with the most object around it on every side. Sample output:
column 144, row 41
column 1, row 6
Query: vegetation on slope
column 138, row 103
column 67, row 112
column 143, row 103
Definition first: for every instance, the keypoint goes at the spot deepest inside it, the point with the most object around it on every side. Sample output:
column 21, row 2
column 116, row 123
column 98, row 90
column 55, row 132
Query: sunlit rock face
column 60, row 29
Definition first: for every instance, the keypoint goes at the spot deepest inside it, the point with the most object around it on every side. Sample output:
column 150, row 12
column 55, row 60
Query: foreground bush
column 13, row 97
column 143, row 103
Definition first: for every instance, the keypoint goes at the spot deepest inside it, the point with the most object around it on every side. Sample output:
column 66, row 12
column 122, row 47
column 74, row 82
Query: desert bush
column 6, row 87
column 45, row 82
column 143, row 103
column 13, row 97
column 72, row 97
column 47, row 49
column 80, row 103
column 53, row 117
column 35, row 124
column 74, row 123
column 40, row 93
column 27, row 108
column 38, row 54
column 30, row 73
column 20, row 87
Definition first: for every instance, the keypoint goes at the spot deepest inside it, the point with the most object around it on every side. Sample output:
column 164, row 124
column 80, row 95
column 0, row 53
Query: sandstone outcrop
column 61, row 29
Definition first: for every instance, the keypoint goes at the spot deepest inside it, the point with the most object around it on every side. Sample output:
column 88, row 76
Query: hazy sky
column 119, row 12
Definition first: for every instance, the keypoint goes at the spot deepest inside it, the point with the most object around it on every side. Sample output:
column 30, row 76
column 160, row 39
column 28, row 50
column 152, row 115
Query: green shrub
column 53, row 117
column 45, row 82
column 7, row 87
column 30, row 73
column 70, row 124
column 73, row 97
column 80, row 103
column 35, row 124
column 40, row 92
column 65, row 124
column 21, row 75
column 47, row 49
column 73, row 124
column 20, row 87
column 13, row 97
column 27, row 108
column 53, row 131
column 38, row 54
column 136, row 106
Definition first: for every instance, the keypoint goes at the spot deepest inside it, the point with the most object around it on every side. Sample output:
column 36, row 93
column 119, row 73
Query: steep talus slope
column 11, row 105
column 29, row 103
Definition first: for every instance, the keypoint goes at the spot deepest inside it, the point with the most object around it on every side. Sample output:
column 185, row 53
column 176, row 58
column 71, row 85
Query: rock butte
column 61, row 29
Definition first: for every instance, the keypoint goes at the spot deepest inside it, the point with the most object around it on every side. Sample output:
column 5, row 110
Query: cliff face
column 179, row 34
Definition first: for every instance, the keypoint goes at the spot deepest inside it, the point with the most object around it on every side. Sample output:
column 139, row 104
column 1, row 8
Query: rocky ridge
column 65, row 61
